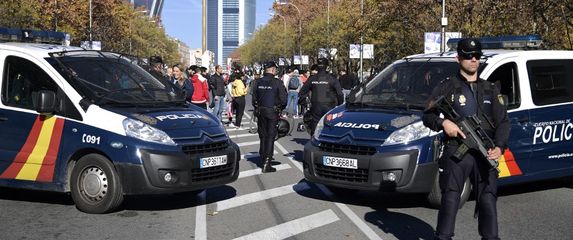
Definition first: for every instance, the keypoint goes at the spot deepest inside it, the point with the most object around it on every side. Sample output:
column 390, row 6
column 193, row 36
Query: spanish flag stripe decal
column 47, row 171
column 32, row 166
column 25, row 151
column 508, row 166
column 503, row 170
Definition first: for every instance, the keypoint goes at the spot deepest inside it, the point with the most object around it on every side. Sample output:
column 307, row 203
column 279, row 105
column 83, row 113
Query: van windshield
column 110, row 78
column 405, row 83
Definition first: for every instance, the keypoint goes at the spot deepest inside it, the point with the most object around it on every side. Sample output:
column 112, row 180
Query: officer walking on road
column 269, row 99
column 326, row 93
column 469, row 95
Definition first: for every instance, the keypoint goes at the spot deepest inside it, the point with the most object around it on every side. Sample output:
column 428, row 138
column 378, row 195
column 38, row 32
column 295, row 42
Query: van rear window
column 551, row 81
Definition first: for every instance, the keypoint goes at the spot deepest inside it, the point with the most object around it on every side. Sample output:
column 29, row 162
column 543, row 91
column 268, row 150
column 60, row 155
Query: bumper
column 372, row 171
column 184, row 169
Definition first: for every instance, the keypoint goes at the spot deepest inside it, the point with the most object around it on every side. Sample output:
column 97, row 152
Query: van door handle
column 2, row 119
column 523, row 119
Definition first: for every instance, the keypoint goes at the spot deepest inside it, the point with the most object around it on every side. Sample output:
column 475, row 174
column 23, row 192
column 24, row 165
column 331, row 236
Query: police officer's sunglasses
column 470, row 55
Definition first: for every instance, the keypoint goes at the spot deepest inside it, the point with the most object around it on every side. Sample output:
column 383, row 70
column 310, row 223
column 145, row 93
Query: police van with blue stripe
column 376, row 141
column 98, row 126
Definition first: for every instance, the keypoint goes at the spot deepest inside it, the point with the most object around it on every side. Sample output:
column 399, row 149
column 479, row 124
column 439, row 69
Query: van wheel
column 95, row 185
column 435, row 196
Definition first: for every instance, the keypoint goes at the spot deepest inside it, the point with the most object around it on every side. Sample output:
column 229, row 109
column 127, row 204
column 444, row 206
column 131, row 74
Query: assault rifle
column 476, row 136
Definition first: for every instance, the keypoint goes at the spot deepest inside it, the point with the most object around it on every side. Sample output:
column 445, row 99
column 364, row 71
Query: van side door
column 29, row 142
column 552, row 93
column 517, row 155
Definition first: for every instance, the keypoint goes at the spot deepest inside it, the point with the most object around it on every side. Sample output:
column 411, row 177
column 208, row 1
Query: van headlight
column 319, row 127
column 407, row 134
column 143, row 131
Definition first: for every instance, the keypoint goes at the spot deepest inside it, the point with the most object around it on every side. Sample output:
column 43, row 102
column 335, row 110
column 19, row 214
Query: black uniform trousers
column 318, row 110
column 267, row 129
column 453, row 174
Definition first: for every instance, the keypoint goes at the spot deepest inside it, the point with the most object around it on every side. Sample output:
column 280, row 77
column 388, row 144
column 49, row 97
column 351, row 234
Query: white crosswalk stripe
column 258, row 171
column 294, row 227
column 260, row 196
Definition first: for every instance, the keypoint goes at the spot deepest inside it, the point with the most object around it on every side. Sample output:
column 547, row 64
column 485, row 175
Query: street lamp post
column 443, row 30
column 299, row 29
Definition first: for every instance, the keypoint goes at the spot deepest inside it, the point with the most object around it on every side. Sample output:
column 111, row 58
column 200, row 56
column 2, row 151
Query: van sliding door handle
column 2, row 119
column 523, row 119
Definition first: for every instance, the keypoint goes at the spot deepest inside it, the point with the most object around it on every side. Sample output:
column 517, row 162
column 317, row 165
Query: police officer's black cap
column 322, row 62
column 271, row 64
column 314, row 67
column 469, row 46
column 155, row 59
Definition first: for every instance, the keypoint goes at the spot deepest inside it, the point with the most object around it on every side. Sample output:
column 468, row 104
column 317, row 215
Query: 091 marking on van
column 36, row 159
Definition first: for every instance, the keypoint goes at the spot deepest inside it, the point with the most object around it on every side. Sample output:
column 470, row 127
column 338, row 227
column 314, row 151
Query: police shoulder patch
column 500, row 99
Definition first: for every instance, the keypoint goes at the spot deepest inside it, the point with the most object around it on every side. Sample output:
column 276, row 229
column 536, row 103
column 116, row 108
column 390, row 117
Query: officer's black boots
column 267, row 166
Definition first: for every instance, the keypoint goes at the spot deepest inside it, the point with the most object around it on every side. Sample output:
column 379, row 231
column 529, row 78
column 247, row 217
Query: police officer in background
column 469, row 95
column 269, row 99
column 326, row 93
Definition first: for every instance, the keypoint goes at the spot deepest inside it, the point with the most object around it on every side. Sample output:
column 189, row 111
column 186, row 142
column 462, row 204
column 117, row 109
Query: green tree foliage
column 396, row 27
column 114, row 22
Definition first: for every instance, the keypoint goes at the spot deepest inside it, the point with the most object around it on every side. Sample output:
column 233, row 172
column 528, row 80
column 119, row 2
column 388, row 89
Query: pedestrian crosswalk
column 272, row 201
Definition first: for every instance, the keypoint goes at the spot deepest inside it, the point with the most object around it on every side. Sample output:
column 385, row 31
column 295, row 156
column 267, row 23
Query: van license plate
column 213, row 161
column 340, row 162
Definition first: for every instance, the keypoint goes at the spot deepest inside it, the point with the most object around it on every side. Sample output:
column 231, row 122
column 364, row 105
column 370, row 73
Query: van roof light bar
column 532, row 41
column 35, row 36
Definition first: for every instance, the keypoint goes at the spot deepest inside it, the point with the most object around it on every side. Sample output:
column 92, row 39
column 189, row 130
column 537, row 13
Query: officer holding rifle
column 469, row 97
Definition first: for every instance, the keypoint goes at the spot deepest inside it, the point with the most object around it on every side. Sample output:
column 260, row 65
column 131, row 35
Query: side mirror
column 45, row 102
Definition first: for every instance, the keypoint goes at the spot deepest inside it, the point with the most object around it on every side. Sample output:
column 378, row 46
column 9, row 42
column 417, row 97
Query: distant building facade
column 230, row 23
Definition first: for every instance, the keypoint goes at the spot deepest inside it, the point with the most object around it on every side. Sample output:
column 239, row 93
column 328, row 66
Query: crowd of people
column 223, row 93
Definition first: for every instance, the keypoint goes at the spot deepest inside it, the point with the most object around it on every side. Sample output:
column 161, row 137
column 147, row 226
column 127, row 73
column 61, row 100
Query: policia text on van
column 96, row 125
column 400, row 153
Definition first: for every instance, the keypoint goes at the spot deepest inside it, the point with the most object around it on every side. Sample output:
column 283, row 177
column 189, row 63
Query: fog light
column 170, row 177
column 391, row 177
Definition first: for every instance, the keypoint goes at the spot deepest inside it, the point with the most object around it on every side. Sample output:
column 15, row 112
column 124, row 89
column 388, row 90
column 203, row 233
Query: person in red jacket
column 201, row 93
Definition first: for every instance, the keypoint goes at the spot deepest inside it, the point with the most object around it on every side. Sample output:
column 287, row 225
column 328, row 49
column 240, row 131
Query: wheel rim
column 93, row 184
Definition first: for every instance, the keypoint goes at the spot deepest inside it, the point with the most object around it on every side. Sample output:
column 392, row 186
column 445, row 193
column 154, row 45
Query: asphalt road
column 281, row 205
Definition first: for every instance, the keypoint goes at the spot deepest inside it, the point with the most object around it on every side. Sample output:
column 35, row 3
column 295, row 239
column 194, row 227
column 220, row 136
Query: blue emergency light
column 36, row 36
column 504, row 42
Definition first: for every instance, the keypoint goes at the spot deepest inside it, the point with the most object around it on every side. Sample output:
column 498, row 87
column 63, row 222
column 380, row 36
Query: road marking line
column 248, row 143
column 260, row 196
column 294, row 227
column 253, row 172
column 343, row 207
column 242, row 135
column 201, row 217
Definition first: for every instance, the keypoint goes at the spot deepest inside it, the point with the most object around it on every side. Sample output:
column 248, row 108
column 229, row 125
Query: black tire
column 95, row 185
column 435, row 196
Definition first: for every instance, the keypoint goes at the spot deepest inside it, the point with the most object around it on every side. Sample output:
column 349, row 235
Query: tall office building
column 230, row 23
column 153, row 7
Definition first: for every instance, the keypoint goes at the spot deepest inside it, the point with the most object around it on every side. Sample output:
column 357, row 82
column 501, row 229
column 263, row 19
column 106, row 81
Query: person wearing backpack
column 293, row 86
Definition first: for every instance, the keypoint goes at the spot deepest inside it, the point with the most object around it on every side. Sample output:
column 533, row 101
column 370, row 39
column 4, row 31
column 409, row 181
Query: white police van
column 376, row 141
column 94, row 124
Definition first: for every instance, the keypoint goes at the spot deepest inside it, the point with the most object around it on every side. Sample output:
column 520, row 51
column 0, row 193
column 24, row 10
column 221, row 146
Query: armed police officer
column 269, row 99
column 325, row 90
column 469, row 96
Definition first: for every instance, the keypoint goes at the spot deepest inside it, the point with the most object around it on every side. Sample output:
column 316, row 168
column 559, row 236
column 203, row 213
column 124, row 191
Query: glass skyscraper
column 229, row 24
